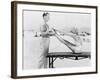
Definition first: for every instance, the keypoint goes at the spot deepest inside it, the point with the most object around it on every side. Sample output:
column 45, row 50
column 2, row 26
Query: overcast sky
column 59, row 20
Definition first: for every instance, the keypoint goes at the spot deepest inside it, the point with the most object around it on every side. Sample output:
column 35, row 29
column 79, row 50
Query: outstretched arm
column 48, row 32
column 70, row 45
column 67, row 34
column 65, row 42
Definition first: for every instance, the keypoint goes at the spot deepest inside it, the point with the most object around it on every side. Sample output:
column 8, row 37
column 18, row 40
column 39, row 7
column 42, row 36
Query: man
column 45, row 40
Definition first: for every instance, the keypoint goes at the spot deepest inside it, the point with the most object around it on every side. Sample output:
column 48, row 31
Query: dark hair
column 74, row 30
column 45, row 14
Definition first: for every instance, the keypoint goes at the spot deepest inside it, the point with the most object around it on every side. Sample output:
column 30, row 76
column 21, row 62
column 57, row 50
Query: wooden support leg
column 49, row 62
column 52, row 62
column 76, row 58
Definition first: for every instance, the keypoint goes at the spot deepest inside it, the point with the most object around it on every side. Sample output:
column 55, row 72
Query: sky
column 64, row 21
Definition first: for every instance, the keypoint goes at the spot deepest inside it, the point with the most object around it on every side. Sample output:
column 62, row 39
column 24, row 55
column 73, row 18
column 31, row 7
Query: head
column 75, row 30
column 46, row 16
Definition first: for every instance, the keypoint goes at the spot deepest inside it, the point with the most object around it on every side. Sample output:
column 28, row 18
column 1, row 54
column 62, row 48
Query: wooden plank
column 68, row 54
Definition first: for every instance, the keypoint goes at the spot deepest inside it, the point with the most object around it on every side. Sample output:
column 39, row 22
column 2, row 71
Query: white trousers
column 44, row 51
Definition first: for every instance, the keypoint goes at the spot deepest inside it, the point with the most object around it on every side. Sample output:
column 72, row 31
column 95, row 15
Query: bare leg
column 67, row 43
column 73, row 47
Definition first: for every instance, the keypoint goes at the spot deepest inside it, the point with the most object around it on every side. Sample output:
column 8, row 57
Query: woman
column 45, row 33
column 75, row 47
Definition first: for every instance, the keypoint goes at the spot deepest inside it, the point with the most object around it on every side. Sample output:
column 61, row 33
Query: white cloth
column 44, row 51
